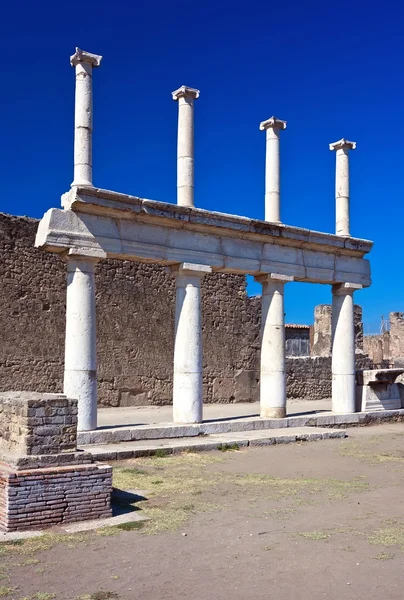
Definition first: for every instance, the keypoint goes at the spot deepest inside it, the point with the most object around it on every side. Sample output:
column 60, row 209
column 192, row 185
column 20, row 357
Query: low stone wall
column 39, row 498
column 311, row 377
column 44, row 480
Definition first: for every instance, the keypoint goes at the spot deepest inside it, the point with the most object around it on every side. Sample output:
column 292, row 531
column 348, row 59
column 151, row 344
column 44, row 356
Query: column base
column 268, row 412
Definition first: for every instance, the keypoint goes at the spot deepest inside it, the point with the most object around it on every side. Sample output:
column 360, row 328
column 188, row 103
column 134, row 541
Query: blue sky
column 331, row 70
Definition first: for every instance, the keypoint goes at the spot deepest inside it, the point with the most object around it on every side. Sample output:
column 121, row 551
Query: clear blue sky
column 331, row 70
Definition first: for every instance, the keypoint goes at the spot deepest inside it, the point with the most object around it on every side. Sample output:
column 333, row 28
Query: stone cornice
column 123, row 206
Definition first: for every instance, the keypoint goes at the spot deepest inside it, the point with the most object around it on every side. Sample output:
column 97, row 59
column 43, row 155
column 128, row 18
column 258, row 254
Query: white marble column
column 343, row 348
column 185, row 148
column 342, row 148
column 83, row 116
column 80, row 376
column 273, row 361
column 272, row 169
column 187, row 383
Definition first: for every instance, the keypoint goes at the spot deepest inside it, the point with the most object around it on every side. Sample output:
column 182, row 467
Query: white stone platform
column 152, row 423
column 223, row 441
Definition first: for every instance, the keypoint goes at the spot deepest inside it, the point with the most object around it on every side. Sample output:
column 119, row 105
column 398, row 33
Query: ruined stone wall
column 377, row 347
column 323, row 325
column 135, row 326
column 397, row 338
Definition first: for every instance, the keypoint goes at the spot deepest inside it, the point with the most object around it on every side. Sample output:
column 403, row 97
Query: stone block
column 30, row 423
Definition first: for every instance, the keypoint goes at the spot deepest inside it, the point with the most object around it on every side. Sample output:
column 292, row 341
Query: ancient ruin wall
column 135, row 325
column 323, row 325
column 397, row 338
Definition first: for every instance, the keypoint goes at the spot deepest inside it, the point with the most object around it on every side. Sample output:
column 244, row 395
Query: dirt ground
column 311, row 520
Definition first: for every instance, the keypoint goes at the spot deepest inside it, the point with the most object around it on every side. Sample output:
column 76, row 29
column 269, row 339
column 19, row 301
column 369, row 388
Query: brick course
column 39, row 498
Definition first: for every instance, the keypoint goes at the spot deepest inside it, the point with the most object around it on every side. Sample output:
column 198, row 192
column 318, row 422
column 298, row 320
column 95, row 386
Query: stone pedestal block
column 44, row 479
column 377, row 389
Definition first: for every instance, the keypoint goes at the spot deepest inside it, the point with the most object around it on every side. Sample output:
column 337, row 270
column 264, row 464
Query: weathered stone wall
column 322, row 329
column 135, row 327
column 397, row 338
column 377, row 347
column 310, row 377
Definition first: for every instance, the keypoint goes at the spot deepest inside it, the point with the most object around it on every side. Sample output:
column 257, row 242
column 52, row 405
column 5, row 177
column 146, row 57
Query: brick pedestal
column 44, row 480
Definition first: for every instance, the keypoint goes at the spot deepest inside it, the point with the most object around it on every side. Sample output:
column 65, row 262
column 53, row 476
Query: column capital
column 343, row 144
column 275, row 277
column 81, row 56
column 190, row 269
column 339, row 289
column 94, row 254
column 272, row 123
column 185, row 92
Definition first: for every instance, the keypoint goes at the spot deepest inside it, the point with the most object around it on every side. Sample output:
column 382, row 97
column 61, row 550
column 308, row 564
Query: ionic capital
column 272, row 123
column 343, row 144
column 185, row 92
column 81, row 56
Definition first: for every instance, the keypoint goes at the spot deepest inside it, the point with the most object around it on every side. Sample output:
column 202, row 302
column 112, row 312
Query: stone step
column 224, row 441
column 128, row 433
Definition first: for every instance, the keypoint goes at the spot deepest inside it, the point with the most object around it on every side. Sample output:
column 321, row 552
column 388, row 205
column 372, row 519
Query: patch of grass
column 45, row 542
column 389, row 536
column 280, row 513
column 182, row 479
column 100, row 595
column 134, row 471
column 267, row 548
column 228, row 447
column 114, row 529
column 369, row 451
column 314, row 535
column 161, row 453
column 131, row 526
column 384, row 556
column 6, row 591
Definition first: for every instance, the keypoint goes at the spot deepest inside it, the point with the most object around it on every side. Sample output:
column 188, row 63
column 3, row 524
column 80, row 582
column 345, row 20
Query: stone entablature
column 105, row 224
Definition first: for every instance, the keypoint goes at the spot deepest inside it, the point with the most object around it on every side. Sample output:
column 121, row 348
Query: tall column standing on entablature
column 83, row 116
column 80, row 376
column 343, row 348
column 187, row 382
column 273, row 357
column 272, row 169
column 185, row 148
column 342, row 148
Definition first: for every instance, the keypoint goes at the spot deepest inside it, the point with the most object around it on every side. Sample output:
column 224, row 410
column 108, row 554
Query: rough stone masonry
column 135, row 330
column 44, row 480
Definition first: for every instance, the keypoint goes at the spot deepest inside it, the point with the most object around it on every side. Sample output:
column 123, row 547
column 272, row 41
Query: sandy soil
column 317, row 520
